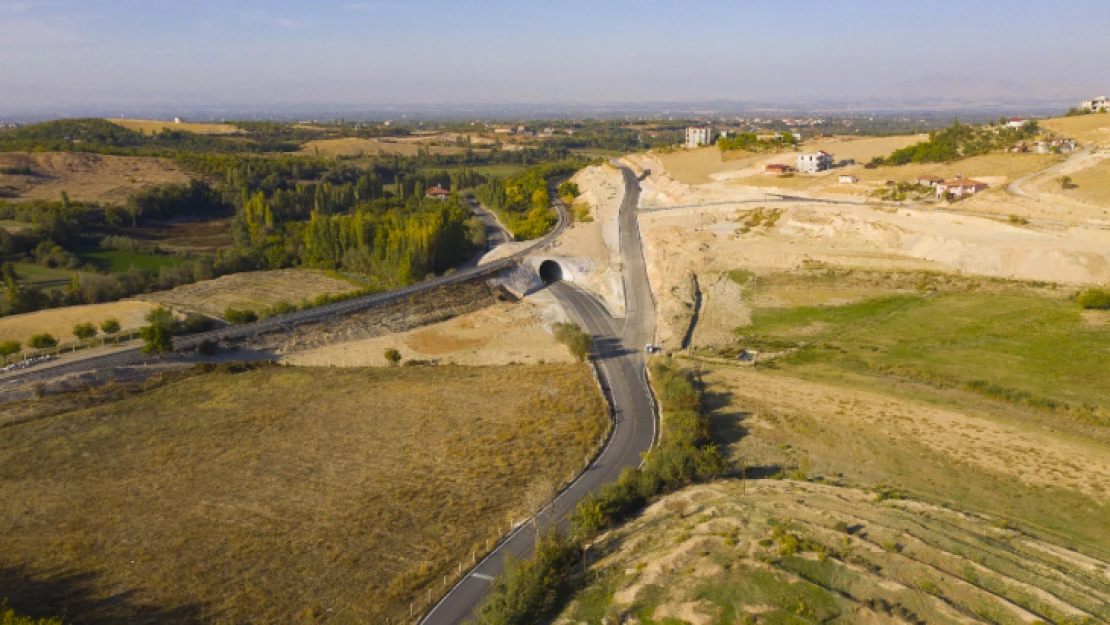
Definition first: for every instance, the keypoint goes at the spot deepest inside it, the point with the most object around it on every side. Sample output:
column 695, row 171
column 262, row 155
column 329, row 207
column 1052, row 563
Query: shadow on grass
column 729, row 428
column 71, row 596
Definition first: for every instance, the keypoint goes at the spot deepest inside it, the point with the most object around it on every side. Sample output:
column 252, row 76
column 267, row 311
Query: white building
column 813, row 162
column 699, row 136
column 848, row 179
column 1101, row 103
column 1015, row 122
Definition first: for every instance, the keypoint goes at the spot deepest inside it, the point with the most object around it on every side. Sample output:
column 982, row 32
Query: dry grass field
column 147, row 126
column 280, row 494
column 86, row 177
column 803, row 552
column 59, row 322
column 254, row 291
column 1092, row 185
column 1083, row 128
column 699, row 166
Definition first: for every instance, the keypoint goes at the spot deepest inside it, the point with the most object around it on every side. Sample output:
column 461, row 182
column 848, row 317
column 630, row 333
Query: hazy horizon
column 67, row 54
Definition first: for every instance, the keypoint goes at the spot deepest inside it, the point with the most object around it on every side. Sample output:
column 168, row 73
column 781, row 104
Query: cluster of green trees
column 961, row 141
column 529, row 590
column 522, row 201
column 751, row 142
column 82, row 332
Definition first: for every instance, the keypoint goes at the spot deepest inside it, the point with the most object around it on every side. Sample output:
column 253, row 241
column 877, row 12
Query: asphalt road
column 619, row 357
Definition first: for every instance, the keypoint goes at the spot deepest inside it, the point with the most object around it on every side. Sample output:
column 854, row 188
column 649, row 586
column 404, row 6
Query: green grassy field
column 113, row 260
column 1036, row 345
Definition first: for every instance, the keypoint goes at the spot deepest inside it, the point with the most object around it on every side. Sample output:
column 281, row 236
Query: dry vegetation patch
column 253, row 290
column 353, row 146
column 86, row 177
column 148, row 126
column 281, row 494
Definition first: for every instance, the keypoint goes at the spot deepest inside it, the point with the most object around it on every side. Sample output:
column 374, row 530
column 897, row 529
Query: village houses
column 959, row 187
column 813, row 162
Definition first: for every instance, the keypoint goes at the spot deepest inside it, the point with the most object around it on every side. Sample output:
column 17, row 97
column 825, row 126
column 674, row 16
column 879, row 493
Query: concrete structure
column 848, row 179
column 929, row 181
column 813, row 162
column 699, row 136
column 959, row 187
column 1015, row 122
column 777, row 168
column 1101, row 103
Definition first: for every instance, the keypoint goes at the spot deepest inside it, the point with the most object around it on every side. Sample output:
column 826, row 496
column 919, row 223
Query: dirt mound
column 781, row 551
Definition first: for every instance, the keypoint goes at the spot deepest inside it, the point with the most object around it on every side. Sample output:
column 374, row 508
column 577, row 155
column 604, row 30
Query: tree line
column 961, row 141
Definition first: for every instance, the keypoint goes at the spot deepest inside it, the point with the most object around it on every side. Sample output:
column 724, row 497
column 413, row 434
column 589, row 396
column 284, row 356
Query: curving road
column 618, row 355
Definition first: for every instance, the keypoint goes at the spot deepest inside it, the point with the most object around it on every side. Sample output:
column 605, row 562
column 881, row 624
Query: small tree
column 84, row 331
column 10, row 348
column 393, row 356
column 110, row 326
column 1065, row 182
column 42, row 341
column 158, row 336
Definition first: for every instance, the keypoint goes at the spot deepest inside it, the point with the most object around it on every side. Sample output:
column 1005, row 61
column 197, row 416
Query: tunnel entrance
column 551, row 271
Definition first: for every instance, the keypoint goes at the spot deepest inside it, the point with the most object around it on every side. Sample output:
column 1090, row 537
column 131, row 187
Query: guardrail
column 289, row 320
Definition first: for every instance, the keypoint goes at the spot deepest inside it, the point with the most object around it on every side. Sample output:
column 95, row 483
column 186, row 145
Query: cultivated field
column 147, row 126
column 797, row 552
column 1083, row 128
column 254, row 291
column 280, row 494
column 86, row 177
column 59, row 322
column 352, row 146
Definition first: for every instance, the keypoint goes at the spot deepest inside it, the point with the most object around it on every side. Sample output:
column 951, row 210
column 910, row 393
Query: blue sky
column 198, row 52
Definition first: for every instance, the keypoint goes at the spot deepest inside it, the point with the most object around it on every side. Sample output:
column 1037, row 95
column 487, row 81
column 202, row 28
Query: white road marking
column 488, row 578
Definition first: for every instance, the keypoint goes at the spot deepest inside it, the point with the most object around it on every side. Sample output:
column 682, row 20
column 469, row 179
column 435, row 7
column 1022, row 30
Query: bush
column 207, row 347
column 196, row 323
column 109, row 326
column 158, row 336
column 84, row 331
column 392, row 356
column 42, row 341
column 1094, row 299
column 237, row 317
column 530, row 589
column 577, row 341
column 10, row 348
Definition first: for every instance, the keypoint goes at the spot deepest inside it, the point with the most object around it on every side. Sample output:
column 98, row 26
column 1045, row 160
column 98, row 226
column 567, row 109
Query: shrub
column 10, row 348
column 84, row 331
column 1094, row 299
column 392, row 356
column 9, row 616
column 109, row 326
column 577, row 341
column 236, row 317
column 158, row 336
column 207, row 347
column 42, row 341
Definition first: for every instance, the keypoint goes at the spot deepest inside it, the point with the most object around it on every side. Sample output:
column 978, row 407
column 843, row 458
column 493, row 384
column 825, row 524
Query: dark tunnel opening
column 550, row 271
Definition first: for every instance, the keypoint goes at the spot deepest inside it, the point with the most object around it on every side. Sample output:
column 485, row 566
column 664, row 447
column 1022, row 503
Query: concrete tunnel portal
column 551, row 271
